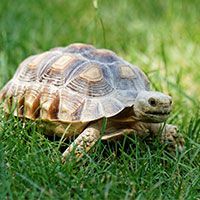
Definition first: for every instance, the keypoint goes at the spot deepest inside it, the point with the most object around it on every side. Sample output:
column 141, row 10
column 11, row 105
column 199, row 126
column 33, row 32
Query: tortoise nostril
column 170, row 101
column 152, row 101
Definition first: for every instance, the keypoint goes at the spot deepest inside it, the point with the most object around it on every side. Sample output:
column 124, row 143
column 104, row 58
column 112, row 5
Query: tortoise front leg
column 169, row 136
column 83, row 142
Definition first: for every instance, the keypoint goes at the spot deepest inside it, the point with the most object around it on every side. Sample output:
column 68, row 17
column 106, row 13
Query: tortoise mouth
column 152, row 116
column 156, row 116
column 160, row 113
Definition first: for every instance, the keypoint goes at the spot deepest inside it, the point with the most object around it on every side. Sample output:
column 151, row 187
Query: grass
column 160, row 36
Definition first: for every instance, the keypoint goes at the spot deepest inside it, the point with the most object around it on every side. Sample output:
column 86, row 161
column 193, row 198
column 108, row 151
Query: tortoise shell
column 77, row 83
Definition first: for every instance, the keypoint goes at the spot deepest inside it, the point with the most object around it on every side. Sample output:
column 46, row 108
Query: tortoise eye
column 152, row 101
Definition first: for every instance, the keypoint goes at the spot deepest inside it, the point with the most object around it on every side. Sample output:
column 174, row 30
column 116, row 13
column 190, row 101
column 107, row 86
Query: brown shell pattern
column 77, row 83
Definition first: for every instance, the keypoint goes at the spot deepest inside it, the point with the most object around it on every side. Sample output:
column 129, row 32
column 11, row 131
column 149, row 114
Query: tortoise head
column 152, row 106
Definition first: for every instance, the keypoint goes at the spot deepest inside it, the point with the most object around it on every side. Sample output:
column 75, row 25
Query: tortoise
column 72, row 89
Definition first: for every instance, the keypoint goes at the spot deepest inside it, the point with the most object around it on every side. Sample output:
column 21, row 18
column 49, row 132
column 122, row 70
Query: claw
column 181, row 149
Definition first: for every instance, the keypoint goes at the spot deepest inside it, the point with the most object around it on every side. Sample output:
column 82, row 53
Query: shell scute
column 126, row 72
column 70, row 106
column 32, row 102
column 90, row 81
column 58, row 73
column 92, row 73
column 49, row 105
column 92, row 109
column 32, row 67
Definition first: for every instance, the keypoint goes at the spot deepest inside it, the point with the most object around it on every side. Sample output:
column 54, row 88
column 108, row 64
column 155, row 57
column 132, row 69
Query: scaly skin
column 83, row 142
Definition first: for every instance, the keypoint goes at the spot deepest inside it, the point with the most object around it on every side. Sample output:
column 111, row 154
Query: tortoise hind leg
column 83, row 143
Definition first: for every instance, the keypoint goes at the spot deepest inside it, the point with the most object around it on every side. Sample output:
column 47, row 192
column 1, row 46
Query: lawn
column 163, row 38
